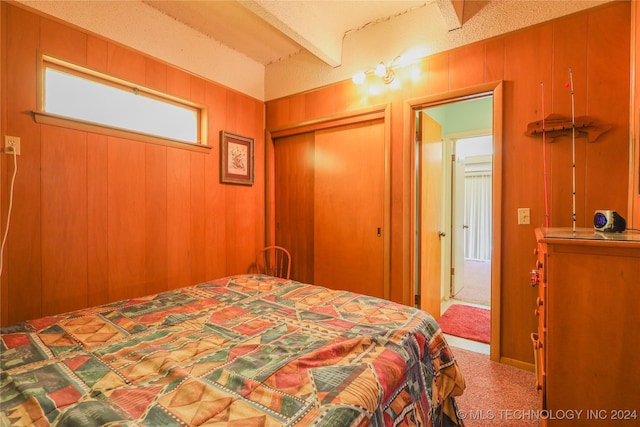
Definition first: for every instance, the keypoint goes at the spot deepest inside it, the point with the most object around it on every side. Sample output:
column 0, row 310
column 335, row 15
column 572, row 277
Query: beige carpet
column 496, row 394
column 477, row 282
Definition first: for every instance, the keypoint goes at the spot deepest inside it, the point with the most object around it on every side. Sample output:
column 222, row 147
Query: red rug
column 468, row 322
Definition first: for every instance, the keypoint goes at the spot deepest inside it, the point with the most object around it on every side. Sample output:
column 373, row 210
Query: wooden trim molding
column 55, row 120
column 376, row 112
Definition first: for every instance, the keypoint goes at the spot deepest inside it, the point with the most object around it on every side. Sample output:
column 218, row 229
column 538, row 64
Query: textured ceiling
column 271, row 31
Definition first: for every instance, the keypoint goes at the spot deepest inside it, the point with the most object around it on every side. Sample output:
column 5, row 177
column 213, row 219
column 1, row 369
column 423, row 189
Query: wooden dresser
column 588, row 340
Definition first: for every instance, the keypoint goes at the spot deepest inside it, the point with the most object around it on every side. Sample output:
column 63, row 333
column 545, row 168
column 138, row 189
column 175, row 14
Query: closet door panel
column 349, row 208
column 294, row 195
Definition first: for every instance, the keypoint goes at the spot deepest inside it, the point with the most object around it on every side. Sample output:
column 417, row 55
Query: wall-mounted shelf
column 556, row 125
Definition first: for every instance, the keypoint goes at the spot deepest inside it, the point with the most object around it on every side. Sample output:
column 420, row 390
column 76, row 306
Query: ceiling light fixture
column 385, row 72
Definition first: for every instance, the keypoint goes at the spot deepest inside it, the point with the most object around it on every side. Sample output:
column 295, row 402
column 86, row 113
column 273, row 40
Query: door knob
column 441, row 234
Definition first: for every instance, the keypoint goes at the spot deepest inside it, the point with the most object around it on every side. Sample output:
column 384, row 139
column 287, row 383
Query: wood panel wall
column 634, row 184
column 596, row 45
column 96, row 218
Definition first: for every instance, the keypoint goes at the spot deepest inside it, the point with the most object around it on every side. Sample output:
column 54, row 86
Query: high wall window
column 84, row 99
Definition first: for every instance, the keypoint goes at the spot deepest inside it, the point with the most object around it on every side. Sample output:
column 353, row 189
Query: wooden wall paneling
column 156, row 219
column 494, row 59
column 126, row 64
column 215, row 228
column 64, row 220
column 297, row 110
column 438, row 73
column 197, row 93
column 320, row 103
column 97, row 54
column 250, row 237
column 527, row 64
column 179, row 83
column 421, row 79
column 179, row 196
column 466, row 66
column 608, row 52
column 634, row 184
column 63, row 42
column 197, row 203
column 64, row 191
column 242, row 247
column 178, row 217
column 294, row 196
column 126, row 211
column 276, row 112
column 155, row 74
column 97, row 220
column 97, row 193
column 344, row 96
column 241, row 208
column 23, row 267
column 259, row 192
column 4, row 176
column 569, row 50
column 232, row 211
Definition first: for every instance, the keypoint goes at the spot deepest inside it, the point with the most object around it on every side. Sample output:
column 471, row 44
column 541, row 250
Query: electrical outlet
column 524, row 216
column 12, row 143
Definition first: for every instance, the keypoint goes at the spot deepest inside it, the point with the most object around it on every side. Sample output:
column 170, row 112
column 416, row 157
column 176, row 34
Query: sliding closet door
column 349, row 208
column 294, row 196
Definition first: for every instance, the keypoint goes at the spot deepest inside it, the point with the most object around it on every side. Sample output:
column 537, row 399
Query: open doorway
column 471, row 222
column 458, row 225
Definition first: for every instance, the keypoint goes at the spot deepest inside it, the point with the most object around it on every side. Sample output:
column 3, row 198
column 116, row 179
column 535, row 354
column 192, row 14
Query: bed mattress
column 247, row 350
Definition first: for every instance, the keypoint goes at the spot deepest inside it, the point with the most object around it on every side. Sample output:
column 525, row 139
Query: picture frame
column 236, row 159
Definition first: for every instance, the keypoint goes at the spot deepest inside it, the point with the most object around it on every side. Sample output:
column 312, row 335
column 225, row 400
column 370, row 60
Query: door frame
column 382, row 111
column 411, row 107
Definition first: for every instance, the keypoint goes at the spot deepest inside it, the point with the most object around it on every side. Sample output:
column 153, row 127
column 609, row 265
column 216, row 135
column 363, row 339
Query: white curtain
column 477, row 216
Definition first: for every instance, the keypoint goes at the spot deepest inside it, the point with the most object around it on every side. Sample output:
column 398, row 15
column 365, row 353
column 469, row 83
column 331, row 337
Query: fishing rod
column 544, row 164
column 573, row 152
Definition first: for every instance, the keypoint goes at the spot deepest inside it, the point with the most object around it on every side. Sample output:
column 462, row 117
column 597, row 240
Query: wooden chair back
column 274, row 261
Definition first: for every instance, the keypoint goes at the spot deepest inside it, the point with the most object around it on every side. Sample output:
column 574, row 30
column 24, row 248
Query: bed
column 248, row 350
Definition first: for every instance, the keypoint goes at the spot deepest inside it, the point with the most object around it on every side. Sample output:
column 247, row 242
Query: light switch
column 524, row 216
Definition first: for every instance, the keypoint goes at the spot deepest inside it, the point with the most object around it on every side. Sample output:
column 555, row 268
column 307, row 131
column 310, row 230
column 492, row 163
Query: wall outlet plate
column 11, row 143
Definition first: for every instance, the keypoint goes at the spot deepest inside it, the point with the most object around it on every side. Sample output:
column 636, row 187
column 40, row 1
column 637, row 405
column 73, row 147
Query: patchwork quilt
column 245, row 351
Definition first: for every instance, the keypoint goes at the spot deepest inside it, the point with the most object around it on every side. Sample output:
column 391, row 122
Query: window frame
column 43, row 117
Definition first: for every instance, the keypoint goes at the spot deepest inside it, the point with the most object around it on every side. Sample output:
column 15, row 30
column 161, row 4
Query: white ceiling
column 269, row 31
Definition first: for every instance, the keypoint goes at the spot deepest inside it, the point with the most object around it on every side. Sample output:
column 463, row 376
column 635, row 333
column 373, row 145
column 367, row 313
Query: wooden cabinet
column 588, row 337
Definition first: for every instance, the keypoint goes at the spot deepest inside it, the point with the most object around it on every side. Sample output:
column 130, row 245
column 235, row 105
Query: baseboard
column 518, row 364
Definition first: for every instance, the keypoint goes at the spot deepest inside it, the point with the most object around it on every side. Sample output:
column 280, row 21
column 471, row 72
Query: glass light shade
column 359, row 78
column 381, row 70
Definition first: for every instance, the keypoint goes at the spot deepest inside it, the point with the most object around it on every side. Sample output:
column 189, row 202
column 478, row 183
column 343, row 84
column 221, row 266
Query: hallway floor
column 475, row 292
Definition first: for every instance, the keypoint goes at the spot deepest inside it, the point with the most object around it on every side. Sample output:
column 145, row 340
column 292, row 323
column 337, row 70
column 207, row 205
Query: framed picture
column 236, row 159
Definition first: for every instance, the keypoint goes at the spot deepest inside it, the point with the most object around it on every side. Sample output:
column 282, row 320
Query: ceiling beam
column 453, row 13
column 319, row 36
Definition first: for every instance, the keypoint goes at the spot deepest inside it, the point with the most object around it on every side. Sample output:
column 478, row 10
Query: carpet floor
column 477, row 282
column 496, row 394
column 465, row 321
